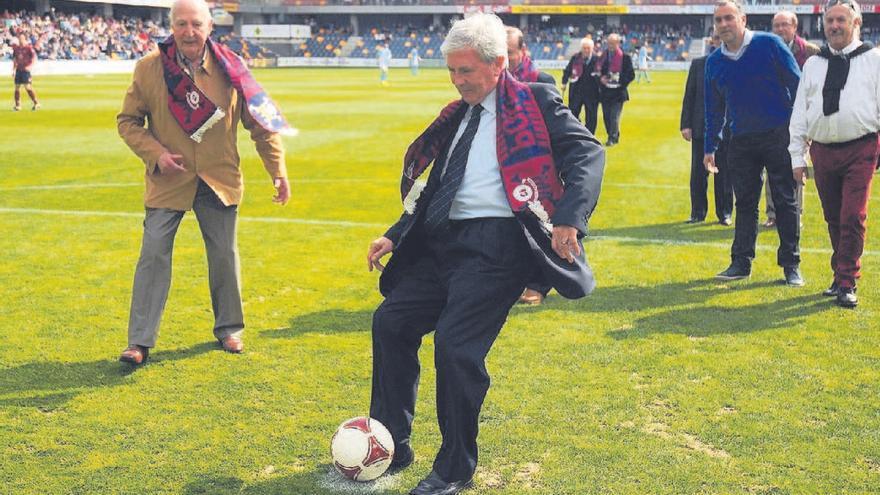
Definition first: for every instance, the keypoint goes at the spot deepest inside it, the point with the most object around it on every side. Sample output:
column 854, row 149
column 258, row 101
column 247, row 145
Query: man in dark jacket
column 581, row 72
column 617, row 72
column 692, row 128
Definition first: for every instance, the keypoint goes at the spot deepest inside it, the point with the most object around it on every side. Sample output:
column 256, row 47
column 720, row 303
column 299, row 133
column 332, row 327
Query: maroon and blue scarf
column 526, row 71
column 196, row 113
column 611, row 62
column 523, row 146
column 577, row 67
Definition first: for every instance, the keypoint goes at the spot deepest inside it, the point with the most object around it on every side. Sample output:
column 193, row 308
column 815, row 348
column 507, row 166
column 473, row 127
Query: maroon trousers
column 843, row 177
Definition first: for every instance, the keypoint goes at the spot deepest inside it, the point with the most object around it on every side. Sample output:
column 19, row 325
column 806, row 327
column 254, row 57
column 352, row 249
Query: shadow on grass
column 327, row 321
column 713, row 320
column 322, row 480
column 708, row 231
column 49, row 385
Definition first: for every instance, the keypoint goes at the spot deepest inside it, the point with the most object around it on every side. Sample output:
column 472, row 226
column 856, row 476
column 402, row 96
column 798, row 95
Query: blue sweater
column 758, row 89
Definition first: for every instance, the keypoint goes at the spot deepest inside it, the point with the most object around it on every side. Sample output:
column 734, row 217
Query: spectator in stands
column 642, row 59
column 521, row 65
column 692, row 127
column 836, row 111
column 467, row 241
column 583, row 84
column 785, row 25
column 383, row 54
column 23, row 58
column 194, row 92
column 753, row 77
column 617, row 72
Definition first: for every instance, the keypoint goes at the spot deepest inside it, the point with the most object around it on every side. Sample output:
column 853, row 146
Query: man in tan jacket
column 192, row 169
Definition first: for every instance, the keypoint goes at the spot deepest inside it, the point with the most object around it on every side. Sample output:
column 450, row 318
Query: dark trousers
column 576, row 101
column 611, row 113
column 462, row 287
column 843, row 177
column 748, row 156
column 700, row 183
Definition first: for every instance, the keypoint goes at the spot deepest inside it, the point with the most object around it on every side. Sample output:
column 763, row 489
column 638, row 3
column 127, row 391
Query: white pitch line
column 343, row 223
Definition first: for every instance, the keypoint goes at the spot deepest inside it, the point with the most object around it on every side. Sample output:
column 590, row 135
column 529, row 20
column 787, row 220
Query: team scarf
column 196, row 113
column 522, row 143
column 613, row 62
column 799, row 50
column 526, row 71
column 577, row 67
column 836, row 75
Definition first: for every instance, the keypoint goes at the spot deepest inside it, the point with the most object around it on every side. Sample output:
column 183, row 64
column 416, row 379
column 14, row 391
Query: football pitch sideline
column 663, row 381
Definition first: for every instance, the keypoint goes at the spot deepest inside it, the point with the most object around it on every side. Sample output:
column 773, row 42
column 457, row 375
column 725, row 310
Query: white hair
column 201, row 5
column 484, row 33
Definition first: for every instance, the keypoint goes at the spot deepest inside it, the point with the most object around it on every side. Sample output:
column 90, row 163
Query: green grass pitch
column 664, row 381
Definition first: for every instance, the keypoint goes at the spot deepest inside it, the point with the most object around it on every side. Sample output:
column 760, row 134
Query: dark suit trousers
column 576, row 101
column 843, row 178
column 611, row 113
column 749, row 154
column 700, row 183
column 462, row 287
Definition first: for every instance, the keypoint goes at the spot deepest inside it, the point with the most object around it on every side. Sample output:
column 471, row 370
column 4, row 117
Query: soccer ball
column 362, row 449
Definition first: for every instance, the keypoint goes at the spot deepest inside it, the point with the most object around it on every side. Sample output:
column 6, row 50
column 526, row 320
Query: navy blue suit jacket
column 580, row 162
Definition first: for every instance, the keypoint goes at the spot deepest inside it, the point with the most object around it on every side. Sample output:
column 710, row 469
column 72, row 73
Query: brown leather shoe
column 531, row 297
column 134, row 354
column 232, row 344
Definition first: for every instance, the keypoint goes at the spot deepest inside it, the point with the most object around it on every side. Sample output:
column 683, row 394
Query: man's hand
column 282, row 190
column 709, row 163
column 687, row 134
column 170, row 163
column 564, row 242
column 800, row 175
column 378, row 248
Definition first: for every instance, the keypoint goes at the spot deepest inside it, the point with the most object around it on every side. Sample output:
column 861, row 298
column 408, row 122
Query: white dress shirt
column 747, row 38
column 481, row 193
column 859, row 112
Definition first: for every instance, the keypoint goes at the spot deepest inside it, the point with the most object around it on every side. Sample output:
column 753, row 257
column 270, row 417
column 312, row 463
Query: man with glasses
column 785, row 25
column 836, row 110
column 754, row 78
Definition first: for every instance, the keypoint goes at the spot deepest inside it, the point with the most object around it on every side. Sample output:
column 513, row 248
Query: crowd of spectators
column 57, row 36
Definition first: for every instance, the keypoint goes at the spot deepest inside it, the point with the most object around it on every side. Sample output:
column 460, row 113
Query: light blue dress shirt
column 481, row 193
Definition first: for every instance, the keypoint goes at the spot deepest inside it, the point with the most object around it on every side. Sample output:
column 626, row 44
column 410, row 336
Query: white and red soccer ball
column 362, row 449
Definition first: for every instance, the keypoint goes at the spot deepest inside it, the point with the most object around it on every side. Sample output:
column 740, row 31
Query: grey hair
column 733, row 3
column 199, row 4
column 482, row 32
column 852, row 4
column 787, row 13
column 588, row 41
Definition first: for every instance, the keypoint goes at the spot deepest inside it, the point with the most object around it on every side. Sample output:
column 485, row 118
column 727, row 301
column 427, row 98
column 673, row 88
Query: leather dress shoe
column 403, row 458
column 793, row 276
column 726, row 221
column 846, row 297
column 434, row 485
column 134, row 354
column 831, row 291
column 693, row 220
column 531, row 297
column 771, row 222
column 232, row 344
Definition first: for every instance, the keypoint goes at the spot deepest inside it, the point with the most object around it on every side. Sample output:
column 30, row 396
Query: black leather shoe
column 736, row 271
column 726, row 221
column 846, row 297
column 793, row 276
column 403, row 457
column 831, row 291
column 693, row 220
column 434, row 485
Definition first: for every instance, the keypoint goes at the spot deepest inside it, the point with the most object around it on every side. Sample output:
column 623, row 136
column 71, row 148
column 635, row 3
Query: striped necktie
column 437, row 214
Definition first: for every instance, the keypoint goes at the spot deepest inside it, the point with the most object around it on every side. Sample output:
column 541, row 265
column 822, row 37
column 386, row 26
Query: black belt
column 866, row 137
